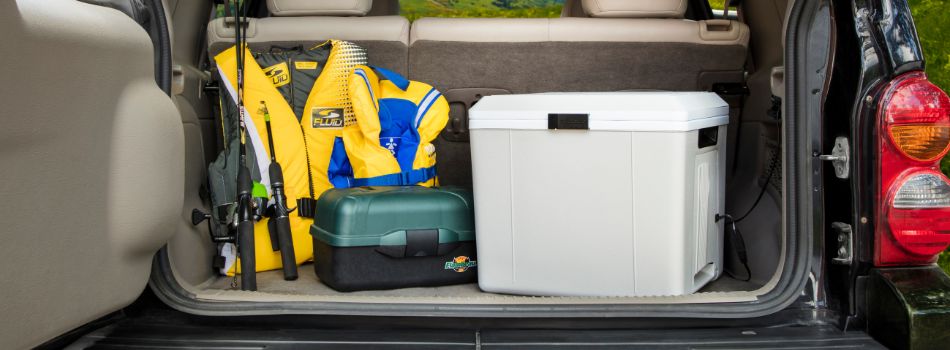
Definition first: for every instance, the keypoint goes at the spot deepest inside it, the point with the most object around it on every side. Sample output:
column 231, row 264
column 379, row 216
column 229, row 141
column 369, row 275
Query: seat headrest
column 635, row 8
column 290, row 8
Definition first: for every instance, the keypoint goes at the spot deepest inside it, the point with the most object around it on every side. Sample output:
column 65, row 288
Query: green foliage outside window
column 219, row 10
column 933, row 28
column 414, row 9
column 717, row 4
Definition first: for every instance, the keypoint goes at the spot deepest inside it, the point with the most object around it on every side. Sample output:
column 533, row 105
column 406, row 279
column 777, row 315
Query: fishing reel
column 228, row 219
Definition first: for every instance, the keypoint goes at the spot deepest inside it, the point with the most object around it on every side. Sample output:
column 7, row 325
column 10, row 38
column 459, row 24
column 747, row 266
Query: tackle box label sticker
column 278, row 74
column 460, row 264
column 327, row 118
column 305, row 65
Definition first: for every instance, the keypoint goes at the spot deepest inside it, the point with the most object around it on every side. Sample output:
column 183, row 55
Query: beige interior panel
column 189, row 250
column 635, row 8
column 511, row 30
column 515, row 30
column 319, row 8
column 763, row 234
column 273, row 29
column 187, row 21
column 649, row 30
column 384, row 8
column 93, row 166
column 573, row 8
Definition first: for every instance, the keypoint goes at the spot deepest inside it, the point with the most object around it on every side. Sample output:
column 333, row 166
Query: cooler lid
column 609, row 111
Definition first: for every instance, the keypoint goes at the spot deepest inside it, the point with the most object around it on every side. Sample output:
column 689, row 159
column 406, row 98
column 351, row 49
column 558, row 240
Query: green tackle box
column 368, row 238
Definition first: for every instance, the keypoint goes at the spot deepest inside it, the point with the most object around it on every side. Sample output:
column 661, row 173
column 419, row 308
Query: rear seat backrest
column 641, row 44
column 309, row 22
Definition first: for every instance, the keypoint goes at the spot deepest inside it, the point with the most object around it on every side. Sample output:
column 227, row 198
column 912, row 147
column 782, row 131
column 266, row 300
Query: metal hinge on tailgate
column 845, row 251
column 840, row 157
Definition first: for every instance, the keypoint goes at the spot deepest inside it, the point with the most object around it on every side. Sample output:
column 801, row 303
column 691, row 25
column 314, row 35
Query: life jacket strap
column 407, row 178
column 306, row 207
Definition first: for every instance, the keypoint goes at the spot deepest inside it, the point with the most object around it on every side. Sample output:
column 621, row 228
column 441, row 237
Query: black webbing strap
column 217, row 263
column 306, row 207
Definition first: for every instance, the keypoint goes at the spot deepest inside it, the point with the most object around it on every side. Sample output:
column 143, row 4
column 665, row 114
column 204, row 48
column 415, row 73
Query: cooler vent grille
column 701, row 210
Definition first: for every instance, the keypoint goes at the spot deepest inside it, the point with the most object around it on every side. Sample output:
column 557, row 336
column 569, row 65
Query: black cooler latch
column 571, row 121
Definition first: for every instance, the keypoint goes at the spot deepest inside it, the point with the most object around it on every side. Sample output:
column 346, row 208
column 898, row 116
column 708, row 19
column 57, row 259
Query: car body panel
column 909, row 308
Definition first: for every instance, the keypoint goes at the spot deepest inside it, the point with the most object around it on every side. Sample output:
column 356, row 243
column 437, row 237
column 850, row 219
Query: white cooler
column 598, row 194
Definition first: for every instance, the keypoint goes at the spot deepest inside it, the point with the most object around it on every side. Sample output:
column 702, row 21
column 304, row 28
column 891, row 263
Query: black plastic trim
column 163, row 47
column 171, row 332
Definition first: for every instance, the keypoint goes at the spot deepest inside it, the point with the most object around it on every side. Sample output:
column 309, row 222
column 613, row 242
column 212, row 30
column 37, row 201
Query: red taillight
column 916, row 118
column 918, row 213
column 913, row 224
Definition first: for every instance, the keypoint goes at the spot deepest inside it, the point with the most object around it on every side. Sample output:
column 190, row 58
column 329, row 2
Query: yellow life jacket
column 308, row 147
column 390, row 144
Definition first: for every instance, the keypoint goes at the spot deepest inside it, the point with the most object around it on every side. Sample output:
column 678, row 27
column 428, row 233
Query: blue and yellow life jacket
column 305, row 93
column 390, row 143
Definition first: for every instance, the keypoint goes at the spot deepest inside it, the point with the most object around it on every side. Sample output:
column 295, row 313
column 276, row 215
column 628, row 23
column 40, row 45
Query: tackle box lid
column 607, row 111
column 390, row 216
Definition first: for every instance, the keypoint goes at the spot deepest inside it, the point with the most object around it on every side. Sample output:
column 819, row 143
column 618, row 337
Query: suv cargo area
column 466, row 59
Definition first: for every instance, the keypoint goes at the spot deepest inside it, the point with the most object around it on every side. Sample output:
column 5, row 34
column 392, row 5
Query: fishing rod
column 245, row 214
column 279, row 223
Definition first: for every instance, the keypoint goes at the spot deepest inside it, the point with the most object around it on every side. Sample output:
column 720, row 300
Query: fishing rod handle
column 287, row 258
column 246, row 252
column 281, row 223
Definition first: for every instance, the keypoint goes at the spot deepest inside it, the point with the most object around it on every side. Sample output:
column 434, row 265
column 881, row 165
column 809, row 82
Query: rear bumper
column 161, row 331
column 909, row 308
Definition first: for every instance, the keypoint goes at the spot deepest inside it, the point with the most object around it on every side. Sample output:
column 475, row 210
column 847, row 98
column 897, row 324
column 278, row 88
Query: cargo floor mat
column 272, row 287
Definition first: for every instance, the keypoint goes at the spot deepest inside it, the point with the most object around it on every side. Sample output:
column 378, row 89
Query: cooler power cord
column 738, row 242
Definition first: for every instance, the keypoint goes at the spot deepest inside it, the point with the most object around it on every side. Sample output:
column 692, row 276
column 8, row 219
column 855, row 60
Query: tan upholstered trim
column 480, row 29
column 713, row 32
column 573, row 8
column 283, row 8
column 647, row 30
column 384, row 8
column 275, row 29
column 635, row 8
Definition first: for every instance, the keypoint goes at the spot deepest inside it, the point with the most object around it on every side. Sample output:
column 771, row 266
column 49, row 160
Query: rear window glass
column 414, row 9
column 717, row 4
column 718, row 7
column 721, row 4
column 232, row 5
